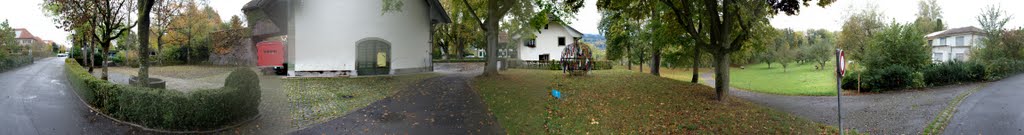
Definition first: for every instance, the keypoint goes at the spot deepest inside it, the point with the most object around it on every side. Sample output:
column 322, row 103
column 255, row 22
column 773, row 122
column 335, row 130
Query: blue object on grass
column 556, row 94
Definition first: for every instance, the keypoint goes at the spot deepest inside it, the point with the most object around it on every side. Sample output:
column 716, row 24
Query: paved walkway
column 901, row 112
column 37, row 99
column 997, row 109
column 440, row 105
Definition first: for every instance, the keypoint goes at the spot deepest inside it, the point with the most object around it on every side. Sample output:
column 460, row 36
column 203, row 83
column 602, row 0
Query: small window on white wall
column 942, row 41
column 960, row 40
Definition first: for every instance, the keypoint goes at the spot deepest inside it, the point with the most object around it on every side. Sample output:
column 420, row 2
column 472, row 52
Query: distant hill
column 596, row 40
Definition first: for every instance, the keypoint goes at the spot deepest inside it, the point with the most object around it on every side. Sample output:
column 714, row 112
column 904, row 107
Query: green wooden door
column 374, row 58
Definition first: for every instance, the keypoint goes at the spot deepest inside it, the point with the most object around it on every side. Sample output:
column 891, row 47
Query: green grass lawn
column 625, row 102
column 798, row 79
column 317, row 100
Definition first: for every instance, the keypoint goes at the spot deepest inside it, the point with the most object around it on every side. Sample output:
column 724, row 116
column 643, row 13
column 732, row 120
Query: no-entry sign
column 841, row 68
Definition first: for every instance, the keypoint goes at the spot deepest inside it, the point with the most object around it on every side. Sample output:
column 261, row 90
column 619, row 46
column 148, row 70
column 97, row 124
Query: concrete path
column 899, row 112
column 440, row 105
column 996, row 110
column 37, row 99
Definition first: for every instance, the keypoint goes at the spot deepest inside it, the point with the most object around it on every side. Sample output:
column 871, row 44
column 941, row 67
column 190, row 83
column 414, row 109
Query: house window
column 930, row 42
column 530, row 43
column 960, row 56
column 543, row 57
column 561, row 41
column 937, row 56
column 960, row 40
column 942, row 41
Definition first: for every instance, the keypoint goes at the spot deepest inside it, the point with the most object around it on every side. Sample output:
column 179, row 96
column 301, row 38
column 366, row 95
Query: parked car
column 62, row 55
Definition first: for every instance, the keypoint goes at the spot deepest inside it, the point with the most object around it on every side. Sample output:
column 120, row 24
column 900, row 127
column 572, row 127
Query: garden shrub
column 890, row 78
column 603, row 65
column 11, row 61
column 1002, row 68
column 953, row 72
column 169, row 109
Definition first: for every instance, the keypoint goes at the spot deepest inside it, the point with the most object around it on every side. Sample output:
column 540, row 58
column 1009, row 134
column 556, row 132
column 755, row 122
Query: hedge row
column 169, row 109
column 899, row 77
column 11, row 62
column 555, row 65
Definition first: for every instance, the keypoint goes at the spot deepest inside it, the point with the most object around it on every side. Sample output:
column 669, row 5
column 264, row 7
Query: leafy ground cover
column 317, row 100
column 797, row 79
column 621, row 101
column 681, row 74
column 179, row 71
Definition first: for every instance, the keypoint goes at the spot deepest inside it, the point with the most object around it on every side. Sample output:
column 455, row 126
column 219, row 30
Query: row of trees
column 718, row 28
column 98, row 25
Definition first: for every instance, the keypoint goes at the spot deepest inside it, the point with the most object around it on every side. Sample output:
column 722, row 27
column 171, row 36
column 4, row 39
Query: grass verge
column 625, row 102
column 796, row 79
column 939, row 123
column 317, row 100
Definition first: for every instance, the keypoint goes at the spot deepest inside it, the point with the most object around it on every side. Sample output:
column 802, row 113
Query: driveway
column 37, row 99
column 898, row 112
column 997, row 109
column 440, row 105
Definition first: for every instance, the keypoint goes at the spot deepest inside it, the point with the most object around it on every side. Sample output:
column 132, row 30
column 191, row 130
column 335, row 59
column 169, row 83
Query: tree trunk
column 491, row 69
column 641, row 62
column 89, row 59
column 696, row 65
column 147, row 6
column 721, row 76
column 656, row 62
column 103, row 62
column 629, row 62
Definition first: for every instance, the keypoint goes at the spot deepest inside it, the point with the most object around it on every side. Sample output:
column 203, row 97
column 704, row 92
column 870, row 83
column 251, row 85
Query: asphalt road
column 37, row 99
column 997, row 109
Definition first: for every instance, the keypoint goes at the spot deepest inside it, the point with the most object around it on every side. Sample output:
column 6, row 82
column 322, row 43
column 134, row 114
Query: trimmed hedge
column 886, row 78
column 953, row 72
column 205, row 109
column 11, row 62
column 555, row 65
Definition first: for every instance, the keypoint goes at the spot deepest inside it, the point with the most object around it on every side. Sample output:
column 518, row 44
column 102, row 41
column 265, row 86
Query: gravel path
column 440, row 105
column 901, row 112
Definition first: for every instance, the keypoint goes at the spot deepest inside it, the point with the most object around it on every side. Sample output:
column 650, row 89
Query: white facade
column 326, row 34
column 949, row 46
column 547, row 42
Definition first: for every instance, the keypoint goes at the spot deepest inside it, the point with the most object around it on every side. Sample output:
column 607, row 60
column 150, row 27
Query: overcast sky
column 956, row 13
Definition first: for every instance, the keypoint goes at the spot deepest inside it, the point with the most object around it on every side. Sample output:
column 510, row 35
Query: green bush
column 169, row 109
column 119, row 58
column 953, row 72
column 10, row 62
column 887, row 78
column 603, row 65
column 1002, row 68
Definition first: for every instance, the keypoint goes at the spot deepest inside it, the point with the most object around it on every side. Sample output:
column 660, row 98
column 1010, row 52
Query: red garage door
column 270, row 53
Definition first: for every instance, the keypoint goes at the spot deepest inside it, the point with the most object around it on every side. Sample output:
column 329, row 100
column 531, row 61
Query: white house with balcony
column 549, row 42
column 954, row 44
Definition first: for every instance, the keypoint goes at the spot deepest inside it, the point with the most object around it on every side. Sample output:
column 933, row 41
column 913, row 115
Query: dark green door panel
column 373, row 58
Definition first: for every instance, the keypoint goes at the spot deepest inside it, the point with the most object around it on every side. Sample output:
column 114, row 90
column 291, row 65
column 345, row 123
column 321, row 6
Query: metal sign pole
column 839, row 88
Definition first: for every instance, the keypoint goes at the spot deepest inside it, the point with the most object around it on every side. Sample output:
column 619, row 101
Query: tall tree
column 499, row 9
column 857, row 31
column 163, row 12
column 993, row 20
column 929, row 16
column 719, row 26
column 7, row 39
column 109, row 18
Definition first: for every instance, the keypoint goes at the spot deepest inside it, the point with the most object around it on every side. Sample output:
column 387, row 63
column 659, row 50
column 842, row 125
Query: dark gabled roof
column 954, row 31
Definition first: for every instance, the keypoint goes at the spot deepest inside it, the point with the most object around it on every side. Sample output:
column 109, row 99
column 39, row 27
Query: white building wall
column 326, row 33
column 547, row 43
column 948, row 51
